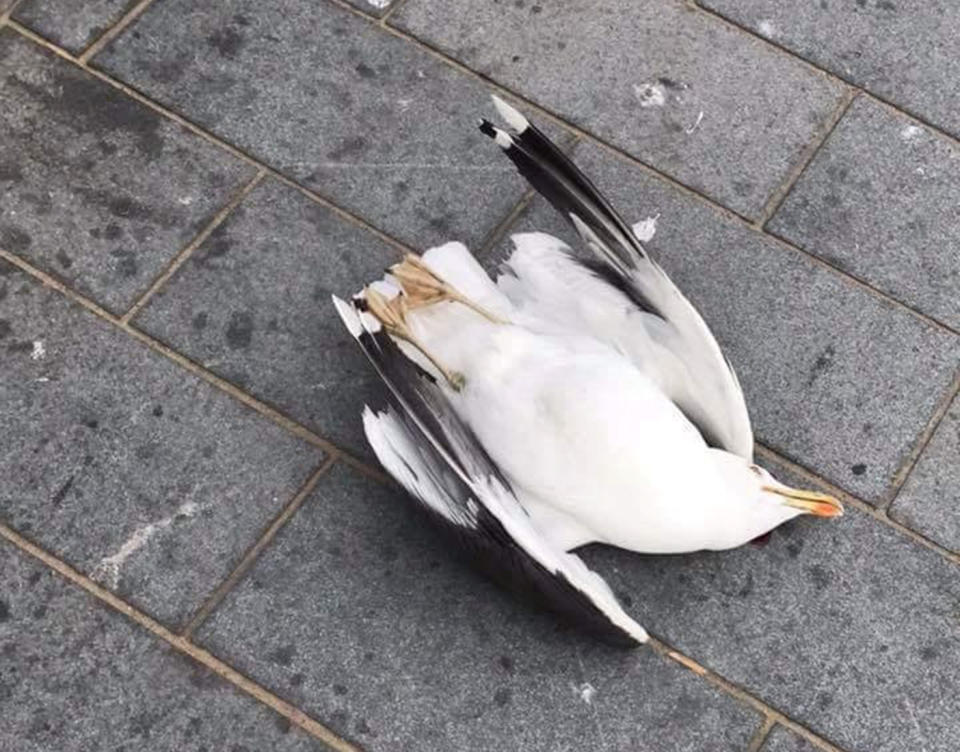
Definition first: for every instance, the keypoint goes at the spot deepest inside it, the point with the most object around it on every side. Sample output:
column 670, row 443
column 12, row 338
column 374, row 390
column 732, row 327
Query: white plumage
column 571, row 404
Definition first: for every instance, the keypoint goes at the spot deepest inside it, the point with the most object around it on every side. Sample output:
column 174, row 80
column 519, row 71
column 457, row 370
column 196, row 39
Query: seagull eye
column 757, row 470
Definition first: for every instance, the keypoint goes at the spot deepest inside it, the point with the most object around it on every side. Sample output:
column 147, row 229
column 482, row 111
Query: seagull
column 569, row 401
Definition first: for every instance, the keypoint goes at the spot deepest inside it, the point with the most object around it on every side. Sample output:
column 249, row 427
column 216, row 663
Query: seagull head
column 759, row 502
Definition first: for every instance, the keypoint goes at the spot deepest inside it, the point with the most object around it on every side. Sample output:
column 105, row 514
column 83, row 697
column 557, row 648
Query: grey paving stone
column 125, row 465
column 835, row 378
column 929, row 502
column 72, row 24
column 356, row 615
column 899, row 50
column 253, row 304
column 76, row 676
column 782, row 740
column 711, row 106
column 845, row 625
column 97, row 189
column 879, row 200
column 372, row 122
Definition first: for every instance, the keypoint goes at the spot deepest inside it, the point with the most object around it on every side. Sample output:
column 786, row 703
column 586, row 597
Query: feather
column 437, row 459
column 710, row 394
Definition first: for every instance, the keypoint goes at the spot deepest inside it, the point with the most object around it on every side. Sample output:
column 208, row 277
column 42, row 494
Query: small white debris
column 185, row 200
column 767, row 28
column 39, row 351
column 911, row 133
column 585, row 691
column 696, row 125
column 421, row 74
column 650, row 95
column 107, row 569
column 379, row 4
column 646, row 229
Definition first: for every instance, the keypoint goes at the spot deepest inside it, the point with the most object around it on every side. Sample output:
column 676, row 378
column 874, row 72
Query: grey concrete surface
column 379, row 126
column 98, row 190
column 121, row 460
column 721, row 112
column 880, row 201
column 75, row 676
column 130, row 469
column 901, row 51
column 72, row 24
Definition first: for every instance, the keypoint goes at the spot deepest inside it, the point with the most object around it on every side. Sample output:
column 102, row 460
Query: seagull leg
column 392, row 314
column 422, row 287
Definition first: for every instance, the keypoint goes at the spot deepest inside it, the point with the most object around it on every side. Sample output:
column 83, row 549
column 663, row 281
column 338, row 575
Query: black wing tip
column 487, row 128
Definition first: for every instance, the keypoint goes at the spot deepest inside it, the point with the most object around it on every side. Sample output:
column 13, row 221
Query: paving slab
column 714, row 108
column 123, row 464
column 77, row 676
column 846, row 625
column 377, row 125
column 97, row 189
column 835, row 378
column 359, row 616
column 253, row 305
column 71, row 24
column 902, row 51
column 783, row 740
column 880, row 201
column 929, row 501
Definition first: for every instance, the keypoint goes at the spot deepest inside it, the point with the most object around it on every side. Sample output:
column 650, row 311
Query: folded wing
column 434, row 456
column 700, row 380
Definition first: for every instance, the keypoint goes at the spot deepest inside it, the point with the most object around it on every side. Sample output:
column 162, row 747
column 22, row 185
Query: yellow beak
column 811, row 502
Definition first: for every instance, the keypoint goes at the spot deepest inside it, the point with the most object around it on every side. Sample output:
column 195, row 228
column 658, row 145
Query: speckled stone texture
column 77, row 676
column 782, row 740
column 97, row 189
column 903, row 51
column 880, row 201
column 379, row 126
column 929, row 501
column 118, row 461
column 846, row 622
column 418, row 653
column 834, row 377
column 721, row 112
column 72, row 24
column 253, row 304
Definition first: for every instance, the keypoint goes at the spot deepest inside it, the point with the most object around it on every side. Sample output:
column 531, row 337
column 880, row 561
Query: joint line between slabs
column 877, row 513
column 902, row 475
column 218, row 219
column 809, row 154
column 761, row 734
column 828, row 74
column 769, row 712
column 403, row 247
column 198, row 654
column 253, row 553
column 114, row 31
column 397, row 4
column 343, row 213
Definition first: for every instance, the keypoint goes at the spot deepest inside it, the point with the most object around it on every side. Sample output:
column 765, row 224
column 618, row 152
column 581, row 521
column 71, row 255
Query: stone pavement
column 196, row 549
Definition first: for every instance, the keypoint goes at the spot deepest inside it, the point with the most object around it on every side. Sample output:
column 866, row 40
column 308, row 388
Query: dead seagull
column 568, row 402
